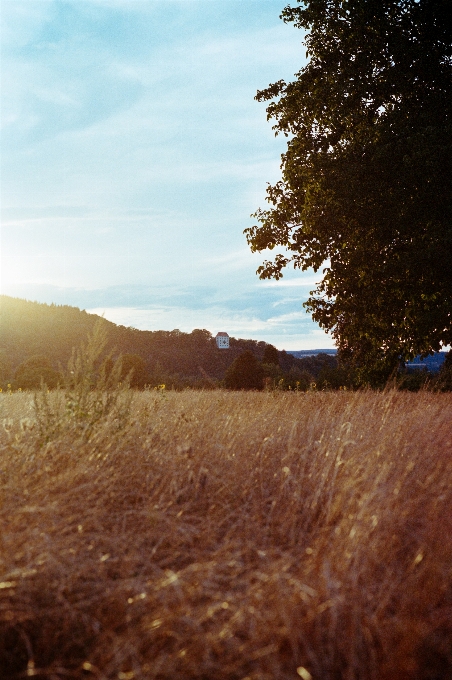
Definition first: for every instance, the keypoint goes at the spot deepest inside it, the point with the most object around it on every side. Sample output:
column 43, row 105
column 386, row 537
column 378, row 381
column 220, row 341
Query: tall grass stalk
column 92, row 391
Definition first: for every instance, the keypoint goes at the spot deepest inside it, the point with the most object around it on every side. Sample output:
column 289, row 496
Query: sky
column 133, row 154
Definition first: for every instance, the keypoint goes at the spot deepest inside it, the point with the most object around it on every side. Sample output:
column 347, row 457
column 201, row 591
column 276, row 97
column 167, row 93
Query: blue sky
column 133, row 153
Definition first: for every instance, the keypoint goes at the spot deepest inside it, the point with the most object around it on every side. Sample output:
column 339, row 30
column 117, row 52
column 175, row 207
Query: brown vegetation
column 217, row 535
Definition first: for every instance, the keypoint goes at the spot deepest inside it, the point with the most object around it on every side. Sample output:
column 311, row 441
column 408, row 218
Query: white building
column 222, row 340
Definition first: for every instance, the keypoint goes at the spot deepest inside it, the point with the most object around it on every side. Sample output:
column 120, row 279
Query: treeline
column 37, row 340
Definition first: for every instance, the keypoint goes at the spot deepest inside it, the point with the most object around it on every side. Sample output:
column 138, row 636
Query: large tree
column 245, row 373
column 366, row 188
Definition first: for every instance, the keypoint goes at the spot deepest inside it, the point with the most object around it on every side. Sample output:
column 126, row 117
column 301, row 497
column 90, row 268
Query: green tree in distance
column 134, row 368
column 366, row 191
column 270, row 355
column 445, row 374
column 34, row 371
column 5, row 366
column 245, row 373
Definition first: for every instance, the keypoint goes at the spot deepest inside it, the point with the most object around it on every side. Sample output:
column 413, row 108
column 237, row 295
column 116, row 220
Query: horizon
column 306, row 352
column 133, row 153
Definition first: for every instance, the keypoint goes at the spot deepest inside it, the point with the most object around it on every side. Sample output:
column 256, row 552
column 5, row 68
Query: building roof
column 222, row 334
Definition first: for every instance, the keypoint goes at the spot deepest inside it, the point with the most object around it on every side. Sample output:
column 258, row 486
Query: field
column 226, row 536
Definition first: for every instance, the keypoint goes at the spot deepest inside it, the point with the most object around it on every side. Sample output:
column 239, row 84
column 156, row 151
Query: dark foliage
column 337, row 377
column 271, row 355
column 313, row 364
column 414, row 380
column 444, row 381
column 365, row 189
column 245, row 373
column 34, row 371
column 5, row 366
column 133, row 368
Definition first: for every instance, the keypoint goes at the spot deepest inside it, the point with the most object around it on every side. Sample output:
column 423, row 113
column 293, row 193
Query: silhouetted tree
column 270, row 355
column 444, row 381
column 366, row 190
column 35, row 370
column 335, row 377
column 245, row 373
column 5, row 366
column 134, row 367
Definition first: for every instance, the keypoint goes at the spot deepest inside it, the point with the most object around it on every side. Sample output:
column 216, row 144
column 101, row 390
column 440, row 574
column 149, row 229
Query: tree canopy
column 271, row 355
column 245, row 373
column 366, row 191
column 34, row 371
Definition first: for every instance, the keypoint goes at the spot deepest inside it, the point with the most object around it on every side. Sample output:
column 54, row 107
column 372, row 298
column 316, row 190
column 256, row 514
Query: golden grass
column 227, row 536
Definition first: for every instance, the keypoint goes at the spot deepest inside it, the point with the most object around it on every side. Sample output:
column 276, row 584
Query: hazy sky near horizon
column 133, row 153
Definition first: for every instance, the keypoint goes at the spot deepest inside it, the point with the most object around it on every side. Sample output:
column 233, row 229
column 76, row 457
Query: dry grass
column 228, row 536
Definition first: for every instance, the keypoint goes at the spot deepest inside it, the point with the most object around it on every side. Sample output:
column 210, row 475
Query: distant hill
column 30, row 329
column 431, row 363
column 302, row 353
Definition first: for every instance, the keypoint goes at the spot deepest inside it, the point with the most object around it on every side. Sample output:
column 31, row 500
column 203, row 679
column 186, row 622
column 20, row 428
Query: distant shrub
column 444, row 379
column 272, row 374
column 413, row 380
column 134, row 369
column 271, row 355
column 336, row 377
column 5, row 367
column 299, row 379
column 34, row 371
column 245, row 373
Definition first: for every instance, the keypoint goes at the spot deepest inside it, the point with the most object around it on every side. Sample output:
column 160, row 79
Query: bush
column 298, row 379
column 271, row 355
column 34, row 371
column 5, row 367
column 337, row 377
column 245, row 373
column 133, row 369
column 413, row 380
column 444, row 380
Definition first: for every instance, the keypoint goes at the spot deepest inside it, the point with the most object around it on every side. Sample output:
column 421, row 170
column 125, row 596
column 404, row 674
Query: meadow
column 226, row 535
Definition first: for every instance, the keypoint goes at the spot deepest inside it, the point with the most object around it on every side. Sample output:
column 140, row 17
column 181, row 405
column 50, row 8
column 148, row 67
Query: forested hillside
column 35, row 330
